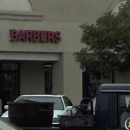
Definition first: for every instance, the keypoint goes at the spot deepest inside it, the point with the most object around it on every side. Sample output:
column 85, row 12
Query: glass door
column 10, row 87
column 9, row 83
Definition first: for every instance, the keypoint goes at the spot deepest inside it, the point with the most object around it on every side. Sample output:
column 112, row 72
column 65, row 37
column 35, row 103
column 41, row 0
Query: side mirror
column 67, row 111
column 6, row 107
column 68, row 108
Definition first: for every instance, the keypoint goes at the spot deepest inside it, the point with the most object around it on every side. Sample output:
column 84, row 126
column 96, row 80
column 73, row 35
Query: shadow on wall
column 15, row 5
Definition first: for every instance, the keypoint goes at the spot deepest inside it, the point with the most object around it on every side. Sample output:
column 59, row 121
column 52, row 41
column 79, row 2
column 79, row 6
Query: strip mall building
column 37, row 42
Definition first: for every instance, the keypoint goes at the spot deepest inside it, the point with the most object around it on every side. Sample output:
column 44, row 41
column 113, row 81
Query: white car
column 94, row 104
column 62, row 104
column 4, row 125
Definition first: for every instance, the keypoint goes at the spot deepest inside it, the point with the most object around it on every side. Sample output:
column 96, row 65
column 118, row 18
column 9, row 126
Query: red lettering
column 36, row 36
column 29, row 35
column 57, row 37
column 13, row 35
column 21, row 36
column 43, row 36
column 50, row 37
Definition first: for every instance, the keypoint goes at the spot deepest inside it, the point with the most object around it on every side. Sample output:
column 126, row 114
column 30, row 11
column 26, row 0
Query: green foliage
column 107, row 42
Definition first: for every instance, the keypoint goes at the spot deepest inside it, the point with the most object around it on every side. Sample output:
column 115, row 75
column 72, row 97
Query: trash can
column 31, row 114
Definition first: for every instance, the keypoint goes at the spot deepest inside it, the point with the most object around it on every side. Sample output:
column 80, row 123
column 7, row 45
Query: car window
column 124, row 102
column 67, row 101
column 58, row 105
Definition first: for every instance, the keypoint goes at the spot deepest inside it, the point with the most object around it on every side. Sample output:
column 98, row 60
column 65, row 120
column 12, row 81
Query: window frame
column 66, row 98
column 121, row 93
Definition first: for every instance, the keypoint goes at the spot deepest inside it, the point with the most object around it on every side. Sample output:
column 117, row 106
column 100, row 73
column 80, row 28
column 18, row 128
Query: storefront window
column 96, row 79
column 9, row 80
column 48, row 78
column 9, row 66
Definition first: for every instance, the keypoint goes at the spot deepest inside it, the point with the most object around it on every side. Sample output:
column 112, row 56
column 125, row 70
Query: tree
column 107, row 42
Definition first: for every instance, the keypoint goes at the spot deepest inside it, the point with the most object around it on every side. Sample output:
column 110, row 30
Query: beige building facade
column 37, row 42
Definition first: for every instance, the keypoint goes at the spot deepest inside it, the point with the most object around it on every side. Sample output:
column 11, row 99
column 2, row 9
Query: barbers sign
column 42, row 36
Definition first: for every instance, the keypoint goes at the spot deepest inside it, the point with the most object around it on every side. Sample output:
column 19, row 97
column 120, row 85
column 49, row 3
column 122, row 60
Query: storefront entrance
column 92, row 81
column 9, row 82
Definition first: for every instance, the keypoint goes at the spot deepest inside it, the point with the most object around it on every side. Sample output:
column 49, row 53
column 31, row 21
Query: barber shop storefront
column 11, row 78
column 36, row 52
column 37, row 43
column 28, row 70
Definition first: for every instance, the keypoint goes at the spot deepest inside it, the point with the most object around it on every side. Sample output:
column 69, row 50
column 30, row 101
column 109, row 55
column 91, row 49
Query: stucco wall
column 57, row 76
column 63, row 15
column 72, row 78
column 6, row 45
column 17, row 5
column 72, row 10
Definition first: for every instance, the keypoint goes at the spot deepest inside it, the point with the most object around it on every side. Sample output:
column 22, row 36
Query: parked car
column 62, row 104
column 94, row 104
column 5, row 125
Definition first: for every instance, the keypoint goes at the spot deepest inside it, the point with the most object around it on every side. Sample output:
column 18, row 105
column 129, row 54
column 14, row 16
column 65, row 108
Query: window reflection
column 48, row 78
column 124, row 108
